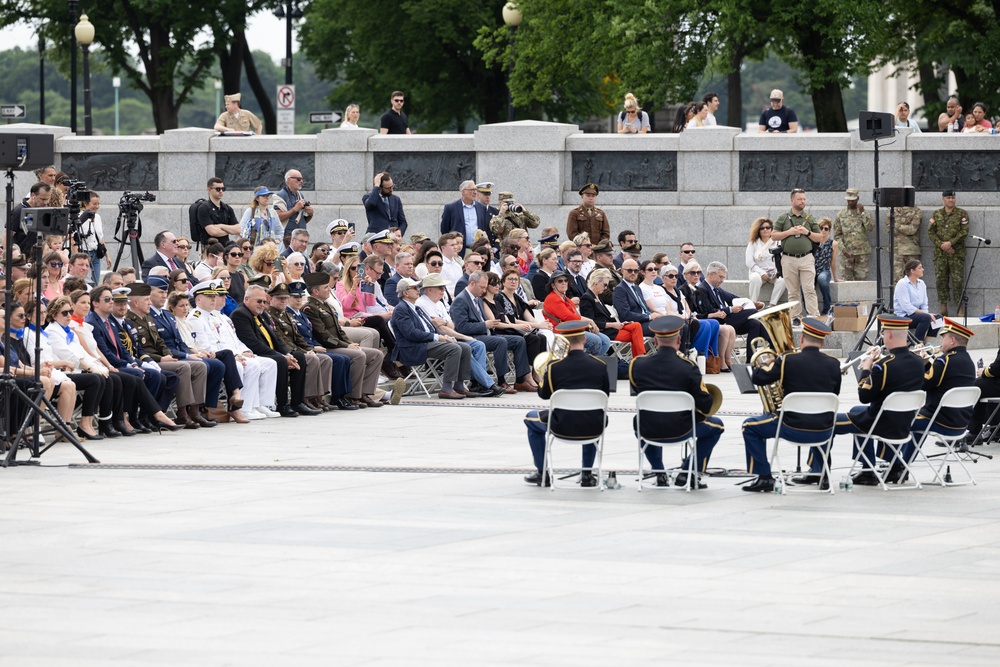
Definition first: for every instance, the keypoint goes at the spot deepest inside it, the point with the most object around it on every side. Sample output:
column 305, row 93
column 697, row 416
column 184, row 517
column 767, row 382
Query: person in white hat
column 235, row 119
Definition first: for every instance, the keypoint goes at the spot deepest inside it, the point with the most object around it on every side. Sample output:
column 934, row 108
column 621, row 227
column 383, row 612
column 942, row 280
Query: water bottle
column 848, row 483
column 612, row 482
column 996, row 314
column 951, row 127
column 777, row 486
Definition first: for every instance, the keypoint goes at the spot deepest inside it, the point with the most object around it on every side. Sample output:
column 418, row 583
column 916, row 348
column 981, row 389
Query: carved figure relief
column 245, row 171
column 785, row 170
column 616, row 171
column 977, row 171
column 431, row 172
column 114, row 171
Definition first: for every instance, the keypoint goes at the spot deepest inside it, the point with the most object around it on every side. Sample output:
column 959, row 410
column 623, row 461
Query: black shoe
column 588, row 479
column 865, row 478
column 802, row 480
column 661, row 479
column 164, row 425
column 107, row 430
column 204, row 415
column 897, row 474
column 141, row 426
column 287, row 411
column 682, row 480
column 761, row 485
column 124, row 430
column 343, row 403
column 536, row 479
column 495, row 391
column 304, row 409
column 86, row 436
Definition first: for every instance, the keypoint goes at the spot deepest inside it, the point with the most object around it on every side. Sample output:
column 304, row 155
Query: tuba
column 560, row 348
column 778, row 323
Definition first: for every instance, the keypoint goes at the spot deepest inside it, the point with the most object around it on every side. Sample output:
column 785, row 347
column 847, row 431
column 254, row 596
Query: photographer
column 39, row 196
column 511, row 216
column 293, row 209
column 91, row 237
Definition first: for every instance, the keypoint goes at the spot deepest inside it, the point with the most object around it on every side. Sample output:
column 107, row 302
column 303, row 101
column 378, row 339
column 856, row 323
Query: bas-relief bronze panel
column 616, row 171
column 114, row 171
column 780, row 171
column 433, row 172
column 245, row 171
column 975, row 171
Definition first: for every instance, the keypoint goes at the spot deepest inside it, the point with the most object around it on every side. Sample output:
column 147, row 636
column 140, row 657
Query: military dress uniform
column 906, row 242
column 319, row 370
column 365, row 362
column 850, row 229
column 989, row 387
column 577, row 370
column 594, row 221
column 949, row 268
column 666, row 370
column 807, row 369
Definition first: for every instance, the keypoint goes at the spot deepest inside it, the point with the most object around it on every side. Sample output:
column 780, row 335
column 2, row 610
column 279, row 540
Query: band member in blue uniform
column 577, row 370
column 805, row 369
column 666, row 370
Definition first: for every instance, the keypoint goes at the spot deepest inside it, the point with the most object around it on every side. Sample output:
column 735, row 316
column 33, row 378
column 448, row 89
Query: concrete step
column 848, row 291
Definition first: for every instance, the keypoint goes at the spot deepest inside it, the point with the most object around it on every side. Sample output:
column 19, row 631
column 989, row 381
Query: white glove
column 150, row 365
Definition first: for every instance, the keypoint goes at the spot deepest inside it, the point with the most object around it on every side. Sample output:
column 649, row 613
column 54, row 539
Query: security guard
column 952, row 368
column 906, row 241
column 668, row 371
column 947, row 230
column 850, row 229
column 805, row 369
column 237, row 120
column 577, row 370
column 896, row 370
column 588, row 218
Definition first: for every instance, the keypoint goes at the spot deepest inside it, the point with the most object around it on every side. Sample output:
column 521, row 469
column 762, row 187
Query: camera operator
column 90, row 239
column 511, row 216
column 37, row 198
column 293, row 209
column 216, row 219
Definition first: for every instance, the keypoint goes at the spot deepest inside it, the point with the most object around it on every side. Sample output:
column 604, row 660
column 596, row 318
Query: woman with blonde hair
column 760, row 261
column 260, row 220
column 632, row 120
column 264, row 260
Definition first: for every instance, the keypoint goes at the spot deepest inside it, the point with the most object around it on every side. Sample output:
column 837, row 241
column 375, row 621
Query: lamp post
column 117, row 83
column 72, row 70
column 84, row 32
column 511, row 17
column 218, row 97
column 41, row 80
column 288, row 10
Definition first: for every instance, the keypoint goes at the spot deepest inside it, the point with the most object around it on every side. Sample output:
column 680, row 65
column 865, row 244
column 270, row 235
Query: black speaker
column 45, row 221
column 898, row 197
column 874, row 125
column 26, row 151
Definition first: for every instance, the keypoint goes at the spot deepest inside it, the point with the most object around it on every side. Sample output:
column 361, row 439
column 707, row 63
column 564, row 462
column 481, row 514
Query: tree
column 422, row 47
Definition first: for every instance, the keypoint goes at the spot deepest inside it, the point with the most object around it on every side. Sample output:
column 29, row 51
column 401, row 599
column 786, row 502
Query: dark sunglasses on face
column 56, row 265
column 65, row 313
column 671, row 275
column 183, row 247
column 695, row 273
column 434, row 263
column 219, row 189
column 630, row 270
column 687, row 252
column 235, row 254
column 765, row 227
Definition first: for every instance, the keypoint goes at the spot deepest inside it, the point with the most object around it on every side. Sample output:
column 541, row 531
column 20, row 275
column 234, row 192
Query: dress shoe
column 454, row 395
column 124, row 430
column 251, row 415
column 342, row 403
column 507, row 389
column 865, row 478
column 304, row 409
column 164, row 425
column 536, row 479
column 198, row 419
column 184, row 419
column 359, row 404
column 367, row 400
column 237, row 417
column 802, row 480
column 234, row 403
column 661, row 479
column 588, row 479
column 142, row 426
column 389, row 370
column 897, row 474
column 287, row 411
column 203, row 411
column 105, row 428
column 496, row 391
column 763, row 484
column 524, row 386
column 682, row 480
column 87, row 436
column 824, row 483
column 472, row 393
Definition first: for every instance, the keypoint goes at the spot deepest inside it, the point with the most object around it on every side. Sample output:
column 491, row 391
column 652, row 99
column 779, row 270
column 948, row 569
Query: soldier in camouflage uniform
column 948, row 229
column 850, row 229
column 906, row 242
column 506, row 220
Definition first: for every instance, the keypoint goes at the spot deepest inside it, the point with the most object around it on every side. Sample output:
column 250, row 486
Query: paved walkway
column 275, row 566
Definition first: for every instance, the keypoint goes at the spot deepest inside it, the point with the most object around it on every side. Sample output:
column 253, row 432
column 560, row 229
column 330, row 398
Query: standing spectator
column 92, row 235
column 215, row 217
column 293, row 209
column 394, row 121
column 687, row 253
column 951, row 119
column 260, row 221
column 234, row 119
column 626, row 238
column 947, row 230
column 684, row 115
column 850, row 228
column 797, row 230
column 979, row 113
column 903, row 117
column 700, row 114
column 509, row 217
column 351, row 115
column 906, row 240
column 826, row 263
column 587, row 217
column 484, row 193
column 711, row 100
column 760, row 261
column 465, row 215
column 451, row 245
column 778, row 118
column 632, row 120
column 383, row 208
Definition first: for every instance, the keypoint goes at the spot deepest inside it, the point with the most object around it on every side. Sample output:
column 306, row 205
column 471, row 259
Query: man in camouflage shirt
column 850, row 229
column 906, row 241
column 507, row 220
column 948, row 229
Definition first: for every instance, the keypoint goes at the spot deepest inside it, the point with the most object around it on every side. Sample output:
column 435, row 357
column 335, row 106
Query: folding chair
column 622, row 350
column 958, row 397
column 896, row 402
column 667, row 402
column 576, row 400
column 425, row 378
column 804, row 403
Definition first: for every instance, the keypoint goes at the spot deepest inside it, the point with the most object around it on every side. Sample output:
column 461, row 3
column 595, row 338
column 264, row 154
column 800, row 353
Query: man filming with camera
column 511, row 216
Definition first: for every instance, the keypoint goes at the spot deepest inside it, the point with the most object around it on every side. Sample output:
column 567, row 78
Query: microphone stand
column 963, row 301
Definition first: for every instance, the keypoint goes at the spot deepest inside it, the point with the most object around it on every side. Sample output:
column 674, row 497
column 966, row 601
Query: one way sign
column 325, row 117
column 13, row 111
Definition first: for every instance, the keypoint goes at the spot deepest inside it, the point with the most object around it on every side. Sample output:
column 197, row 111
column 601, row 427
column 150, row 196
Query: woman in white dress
column 760, row 261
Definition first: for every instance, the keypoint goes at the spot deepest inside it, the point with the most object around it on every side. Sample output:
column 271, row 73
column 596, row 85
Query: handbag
column 713, row 364
column 102, row 250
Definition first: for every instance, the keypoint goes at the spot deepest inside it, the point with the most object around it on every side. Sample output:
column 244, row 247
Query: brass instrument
column 927, row 351
column 716, row 398
column 874, row 352
column 777, row 320
column 560, row 348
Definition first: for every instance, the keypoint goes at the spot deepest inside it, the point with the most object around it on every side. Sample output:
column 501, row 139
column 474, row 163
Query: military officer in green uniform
column 511, row 217
column 906, row 241
column 588, row 218
column 947, row 229
column 319, row 367
column 850, row 229
column 234, row 119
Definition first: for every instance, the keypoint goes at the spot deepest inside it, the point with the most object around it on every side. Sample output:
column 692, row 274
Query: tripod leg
column 51, row 415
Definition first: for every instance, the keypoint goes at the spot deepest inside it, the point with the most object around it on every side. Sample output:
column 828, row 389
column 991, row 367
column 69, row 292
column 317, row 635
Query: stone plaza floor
column 407, row 537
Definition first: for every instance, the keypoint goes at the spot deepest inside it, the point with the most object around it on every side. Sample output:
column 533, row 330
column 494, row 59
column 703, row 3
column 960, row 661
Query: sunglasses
column 219, row 189
column 687, row 252
column 259, row 301
column 65, row 313
column 473, row 261
column 246, row 248
column 183, row 247
column 298, row 263
column 651, row 268
column 295, row 178
column 400, row 101
column 694, row 273
column 56, row 265
column 630, row 270
column 824, row 229
column 434, row 263
column 354, row 268
column 268, row 263
column 105, row 299
column 235, row 254
column 325, row 251
column 762, row 228
column 671, row 275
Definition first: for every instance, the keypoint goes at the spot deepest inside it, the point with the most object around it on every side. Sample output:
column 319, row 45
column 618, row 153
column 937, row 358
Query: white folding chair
column 576, row 400
column 667, row 402
column 426, row 378
column 622, row 350
column 804, row 403
column 957, row 397
column 896, row 402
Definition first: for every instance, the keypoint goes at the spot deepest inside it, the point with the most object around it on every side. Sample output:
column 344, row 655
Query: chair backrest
column 664, row 401
column 578, row 400
column 904, row 401
column 960, row 397
column 810, row 402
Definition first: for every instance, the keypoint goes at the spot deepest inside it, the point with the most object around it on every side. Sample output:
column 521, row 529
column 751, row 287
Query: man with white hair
column 293, row 209
column 465, row 215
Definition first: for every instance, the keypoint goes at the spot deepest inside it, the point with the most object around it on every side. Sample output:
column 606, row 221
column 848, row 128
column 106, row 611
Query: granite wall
column 703, row 186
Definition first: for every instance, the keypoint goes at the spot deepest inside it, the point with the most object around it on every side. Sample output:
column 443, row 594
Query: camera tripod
column 130, row 236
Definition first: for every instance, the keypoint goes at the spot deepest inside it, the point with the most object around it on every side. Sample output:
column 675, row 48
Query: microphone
column 980, row 238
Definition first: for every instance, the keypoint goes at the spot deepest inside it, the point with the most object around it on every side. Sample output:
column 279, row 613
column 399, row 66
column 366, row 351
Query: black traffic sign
column 13, row 111
column 325, row 117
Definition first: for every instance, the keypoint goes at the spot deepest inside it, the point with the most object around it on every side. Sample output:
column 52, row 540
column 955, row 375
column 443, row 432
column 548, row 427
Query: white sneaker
column 253, row 415
column 267, row 412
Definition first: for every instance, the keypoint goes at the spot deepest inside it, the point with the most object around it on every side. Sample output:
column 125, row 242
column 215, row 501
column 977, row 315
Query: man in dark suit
column 669, row 371
column 473, row 263
column 627, row 299
column 382, row 207
column 577, row 370
column 166, row 250
column 712, row 301
column 466, row 215
column 253, row 329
